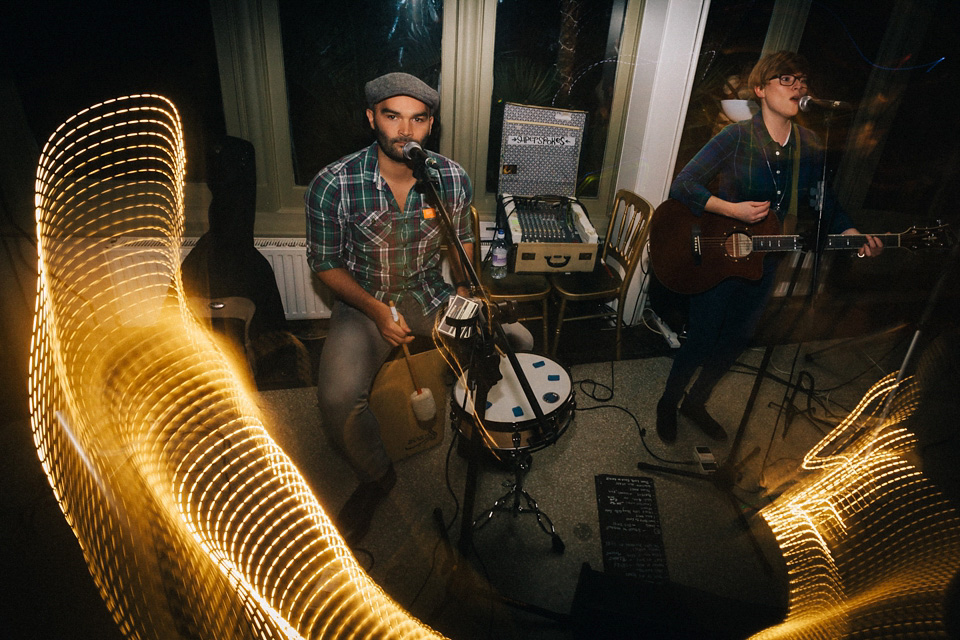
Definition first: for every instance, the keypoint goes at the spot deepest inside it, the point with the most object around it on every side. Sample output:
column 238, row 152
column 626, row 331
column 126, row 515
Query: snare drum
column 509, row 418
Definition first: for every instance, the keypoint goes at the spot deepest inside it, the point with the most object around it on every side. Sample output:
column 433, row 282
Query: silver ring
column 860, row 255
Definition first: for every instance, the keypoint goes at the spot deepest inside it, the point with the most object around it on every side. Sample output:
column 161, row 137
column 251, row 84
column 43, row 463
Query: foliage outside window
column 331, row 50
column 559, row 54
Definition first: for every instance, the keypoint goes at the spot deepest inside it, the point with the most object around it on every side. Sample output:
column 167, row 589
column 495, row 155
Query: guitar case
column 225, row 263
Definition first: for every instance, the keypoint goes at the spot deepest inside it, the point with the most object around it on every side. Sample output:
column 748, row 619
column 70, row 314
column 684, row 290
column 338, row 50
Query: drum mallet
column 421, row 400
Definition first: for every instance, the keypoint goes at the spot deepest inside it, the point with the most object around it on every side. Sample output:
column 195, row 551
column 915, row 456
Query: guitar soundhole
column 738, row 245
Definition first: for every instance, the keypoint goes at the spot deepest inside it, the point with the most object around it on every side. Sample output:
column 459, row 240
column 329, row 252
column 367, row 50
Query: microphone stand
column 922, row 325
column 482, row 377
column 819, row 244
column 821, row 235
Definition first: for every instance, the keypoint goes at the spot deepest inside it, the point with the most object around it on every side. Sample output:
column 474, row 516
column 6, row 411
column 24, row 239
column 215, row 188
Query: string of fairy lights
column 194, row 523
column 870, row 544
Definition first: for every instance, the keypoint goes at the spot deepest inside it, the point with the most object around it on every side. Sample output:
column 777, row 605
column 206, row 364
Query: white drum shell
column 509, row 418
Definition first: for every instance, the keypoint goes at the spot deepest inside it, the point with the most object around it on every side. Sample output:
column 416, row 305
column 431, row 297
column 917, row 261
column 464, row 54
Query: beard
column 389, row 145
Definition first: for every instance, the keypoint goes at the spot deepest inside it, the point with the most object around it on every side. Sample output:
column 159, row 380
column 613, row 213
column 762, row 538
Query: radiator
column 302, row 294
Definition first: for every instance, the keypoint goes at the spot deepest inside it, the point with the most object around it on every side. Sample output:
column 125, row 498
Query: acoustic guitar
column 690, row 254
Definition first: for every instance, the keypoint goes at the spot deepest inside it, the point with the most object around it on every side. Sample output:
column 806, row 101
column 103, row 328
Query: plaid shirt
column 353, row 222
column 750, row 165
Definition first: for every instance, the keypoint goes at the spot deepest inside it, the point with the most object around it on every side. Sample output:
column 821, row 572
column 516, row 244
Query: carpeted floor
column 649, row 548
column 721, row 574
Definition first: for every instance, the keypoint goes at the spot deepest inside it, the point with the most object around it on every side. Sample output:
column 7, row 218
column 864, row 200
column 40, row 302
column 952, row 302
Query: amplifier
column 540, row 154
column 540, row 150
column 549, row 234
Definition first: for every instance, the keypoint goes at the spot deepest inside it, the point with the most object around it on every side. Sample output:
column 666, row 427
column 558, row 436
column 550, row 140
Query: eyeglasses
column 788, row 79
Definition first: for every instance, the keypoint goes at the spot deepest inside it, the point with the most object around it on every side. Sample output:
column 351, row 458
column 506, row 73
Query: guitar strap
column 790, row 220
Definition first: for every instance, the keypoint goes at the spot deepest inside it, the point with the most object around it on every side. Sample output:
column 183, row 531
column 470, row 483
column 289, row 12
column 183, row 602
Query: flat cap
column 401, row 84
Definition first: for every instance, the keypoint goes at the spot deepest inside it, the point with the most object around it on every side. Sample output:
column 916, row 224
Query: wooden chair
column 522, row 288
column 229, row 317
column 610, row 279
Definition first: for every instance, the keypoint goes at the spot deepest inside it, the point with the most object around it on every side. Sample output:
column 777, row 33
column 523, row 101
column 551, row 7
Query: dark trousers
column 721, row 323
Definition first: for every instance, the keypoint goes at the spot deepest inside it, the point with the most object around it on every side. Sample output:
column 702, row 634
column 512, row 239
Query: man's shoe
column 355, row 517
column 703, row 420
column 667, row 421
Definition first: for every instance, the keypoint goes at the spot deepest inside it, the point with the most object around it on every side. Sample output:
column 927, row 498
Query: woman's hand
column 749, row 211
column 871, row 248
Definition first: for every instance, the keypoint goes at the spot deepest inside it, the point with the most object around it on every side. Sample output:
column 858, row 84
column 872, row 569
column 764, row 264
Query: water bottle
column 499, row 263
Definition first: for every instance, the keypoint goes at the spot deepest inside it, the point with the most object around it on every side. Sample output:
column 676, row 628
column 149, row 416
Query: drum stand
column 488, row 372
column 484, row 371
column 481, row 377
column 510, row 502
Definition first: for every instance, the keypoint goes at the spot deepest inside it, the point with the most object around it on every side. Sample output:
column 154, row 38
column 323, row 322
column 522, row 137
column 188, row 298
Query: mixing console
column 540, row 218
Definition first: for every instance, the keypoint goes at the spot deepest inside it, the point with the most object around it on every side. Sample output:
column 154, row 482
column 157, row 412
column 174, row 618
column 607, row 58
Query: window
column 560, row 54
column 892, row 66
column 732, row 42
column 288, row 75
column 295, row 73
column 329, row 53
column 84, row 53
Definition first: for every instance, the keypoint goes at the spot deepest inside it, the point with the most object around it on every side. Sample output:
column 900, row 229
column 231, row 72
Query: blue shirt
column 748, row 164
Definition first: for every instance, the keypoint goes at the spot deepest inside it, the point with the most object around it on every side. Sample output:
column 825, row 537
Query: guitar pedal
column 704, row 457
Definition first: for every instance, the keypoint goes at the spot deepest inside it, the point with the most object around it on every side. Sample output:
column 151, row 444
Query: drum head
column 507, row 405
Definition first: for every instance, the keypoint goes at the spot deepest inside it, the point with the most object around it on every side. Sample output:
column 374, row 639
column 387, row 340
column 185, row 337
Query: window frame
column 249, row 53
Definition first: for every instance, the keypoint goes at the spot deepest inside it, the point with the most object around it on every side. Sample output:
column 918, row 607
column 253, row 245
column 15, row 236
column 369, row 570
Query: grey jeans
column 353, row 353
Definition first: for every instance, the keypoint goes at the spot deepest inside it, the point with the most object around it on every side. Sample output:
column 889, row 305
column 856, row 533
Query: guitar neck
column 834, row 241
column 855, row 241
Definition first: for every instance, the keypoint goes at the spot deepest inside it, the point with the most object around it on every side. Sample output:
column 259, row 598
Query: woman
column 762, row 166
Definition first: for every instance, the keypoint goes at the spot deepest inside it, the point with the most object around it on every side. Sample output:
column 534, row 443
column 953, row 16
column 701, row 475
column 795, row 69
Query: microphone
column 414, row 152
column 806, row 102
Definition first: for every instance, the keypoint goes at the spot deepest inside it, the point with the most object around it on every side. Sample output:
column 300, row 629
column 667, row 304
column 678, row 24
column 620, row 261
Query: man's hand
column 394, row 331
column 343, row 285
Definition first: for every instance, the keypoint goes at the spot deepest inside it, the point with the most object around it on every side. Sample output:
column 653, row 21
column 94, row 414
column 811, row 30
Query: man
column 374, row 239
column 753, row 162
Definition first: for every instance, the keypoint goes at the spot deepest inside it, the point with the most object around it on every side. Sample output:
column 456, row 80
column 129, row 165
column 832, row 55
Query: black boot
column 355, row 517
column 667, row 419
column 697, row 412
